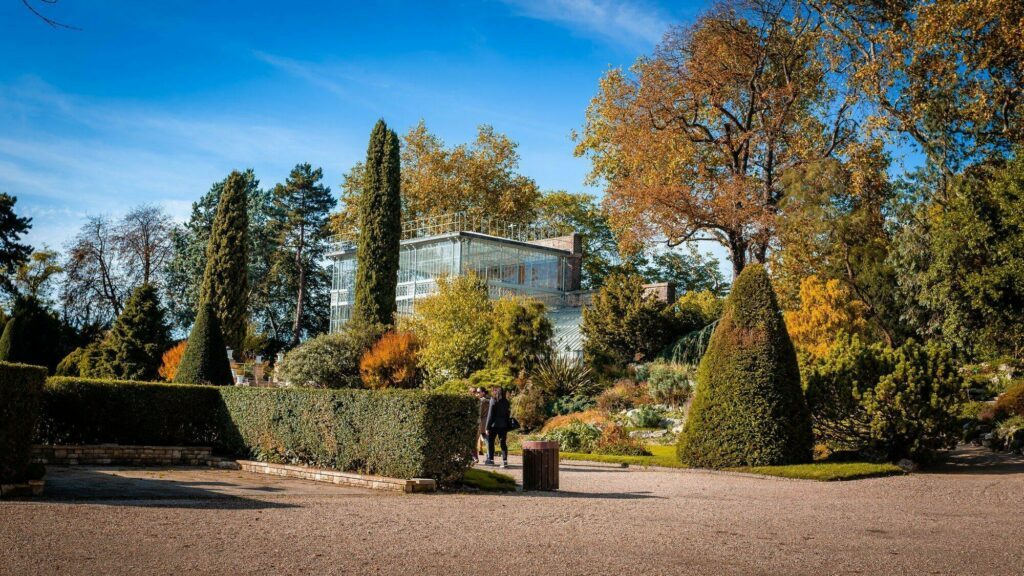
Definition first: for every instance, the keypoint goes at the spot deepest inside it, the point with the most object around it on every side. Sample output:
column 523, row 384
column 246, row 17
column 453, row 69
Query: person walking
column 499, row 422
column 481, row 427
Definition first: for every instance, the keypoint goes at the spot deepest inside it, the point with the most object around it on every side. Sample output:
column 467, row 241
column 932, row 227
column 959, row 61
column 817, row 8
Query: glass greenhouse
column 512, row 260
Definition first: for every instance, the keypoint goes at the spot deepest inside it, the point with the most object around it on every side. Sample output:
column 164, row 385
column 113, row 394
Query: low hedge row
column 400, row 433
column 21, row 388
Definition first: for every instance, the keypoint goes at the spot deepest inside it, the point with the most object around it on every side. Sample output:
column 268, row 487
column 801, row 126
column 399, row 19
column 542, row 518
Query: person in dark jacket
column 499, row 419
column 481, row 432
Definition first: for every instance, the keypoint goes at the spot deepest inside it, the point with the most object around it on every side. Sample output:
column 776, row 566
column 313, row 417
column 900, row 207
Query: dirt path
column 959, row 520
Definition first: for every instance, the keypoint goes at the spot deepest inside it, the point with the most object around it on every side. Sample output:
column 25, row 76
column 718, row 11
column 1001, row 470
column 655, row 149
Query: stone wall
column 117, row 454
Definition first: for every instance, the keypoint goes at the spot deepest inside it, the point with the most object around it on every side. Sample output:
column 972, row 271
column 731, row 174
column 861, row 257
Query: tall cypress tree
column 226, row 279
column 380, row 230
column 133, row 349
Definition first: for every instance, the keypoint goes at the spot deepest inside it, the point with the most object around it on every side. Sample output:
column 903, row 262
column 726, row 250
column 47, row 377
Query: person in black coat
column 499, row 422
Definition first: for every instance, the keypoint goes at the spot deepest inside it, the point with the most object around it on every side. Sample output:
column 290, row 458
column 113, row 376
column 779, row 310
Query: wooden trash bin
column 540, row 465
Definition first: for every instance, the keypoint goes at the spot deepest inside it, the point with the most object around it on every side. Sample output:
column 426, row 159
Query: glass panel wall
column 507, row 268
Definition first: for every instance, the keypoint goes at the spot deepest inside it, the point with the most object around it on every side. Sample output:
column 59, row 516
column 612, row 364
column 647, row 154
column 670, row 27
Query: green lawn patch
column 826, row 471
column 488, row 481
column 660, row 456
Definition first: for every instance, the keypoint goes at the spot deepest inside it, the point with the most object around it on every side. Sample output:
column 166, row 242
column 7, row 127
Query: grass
column 488, row 481
column 826, row 471
column 660, row 456
column 665, row 456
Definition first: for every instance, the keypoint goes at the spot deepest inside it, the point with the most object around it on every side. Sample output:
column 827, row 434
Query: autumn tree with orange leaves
column 693, row 141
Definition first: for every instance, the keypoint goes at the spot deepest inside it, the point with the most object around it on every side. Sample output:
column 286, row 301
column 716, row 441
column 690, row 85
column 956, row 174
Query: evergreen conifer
column 380, row 230
column 749, row 408
column 205, row 360
column 226, row 278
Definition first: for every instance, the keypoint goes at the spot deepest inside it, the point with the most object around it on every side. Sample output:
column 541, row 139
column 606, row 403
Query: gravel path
column 960, row 520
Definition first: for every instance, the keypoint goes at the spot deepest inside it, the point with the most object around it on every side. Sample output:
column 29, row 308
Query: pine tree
column 749, row 408
column 301, row 214
column 226, row 278
column 33, row 335
column 133, row 348
column 380, row 230
column 205, row 360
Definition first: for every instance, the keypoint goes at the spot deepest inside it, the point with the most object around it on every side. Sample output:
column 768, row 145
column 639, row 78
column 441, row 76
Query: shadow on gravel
column 979, row 460
column 85, row 485
column 595, row 495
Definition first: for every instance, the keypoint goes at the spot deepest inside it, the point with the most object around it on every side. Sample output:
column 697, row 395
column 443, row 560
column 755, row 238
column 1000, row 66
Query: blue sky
column 152, row 102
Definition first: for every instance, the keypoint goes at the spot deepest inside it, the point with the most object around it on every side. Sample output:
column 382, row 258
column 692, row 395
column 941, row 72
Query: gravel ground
column 958, row 520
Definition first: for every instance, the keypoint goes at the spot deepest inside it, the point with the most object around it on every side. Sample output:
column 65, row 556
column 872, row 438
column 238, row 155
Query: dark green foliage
column 886, row 403
column 380, row 230
column 133, row 348
column 33, row 335
column 226, row 278
column 12, row 227
column 93, row 411
column 398, row 433
column 521, row 335
column 21, row 389
column 205, row 360
column 962, row 262
column 80, row 361
column 299, row 225
column 625, row 325
column 749, row 408
column 327, row 361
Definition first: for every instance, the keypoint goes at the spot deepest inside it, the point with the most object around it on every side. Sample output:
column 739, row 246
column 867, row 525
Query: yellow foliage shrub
column 171, row 359
column 826, row 308
column 391, row 362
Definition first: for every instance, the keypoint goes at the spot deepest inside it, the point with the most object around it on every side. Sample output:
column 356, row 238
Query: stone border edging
column 338, row 477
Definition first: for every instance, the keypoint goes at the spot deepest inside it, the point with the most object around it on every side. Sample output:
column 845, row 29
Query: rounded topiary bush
column 749, row 408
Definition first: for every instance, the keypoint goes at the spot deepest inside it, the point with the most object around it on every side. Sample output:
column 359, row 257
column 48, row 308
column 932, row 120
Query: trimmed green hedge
column 398, row 433
column 21, row 388
column 88, row 411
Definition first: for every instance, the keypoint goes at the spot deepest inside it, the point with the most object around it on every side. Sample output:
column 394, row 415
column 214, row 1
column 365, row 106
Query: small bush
column 327, row 361
column 625, row 394
column 487, row 378
column 646, row 417
column 33, row 335
column 520, row 335
column 887, row 403
column 530, row 407
column 391, row 362
column 80, row 361
column 616, row 441
column 668, row 383
column 168, row 362
column 21, row 389
column 576, row 437
column 1011, row 402
column 563, row 376
column 595, row 417
column 569, row 404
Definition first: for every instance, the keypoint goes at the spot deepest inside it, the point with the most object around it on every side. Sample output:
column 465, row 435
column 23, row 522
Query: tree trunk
column 738, row 255
column 300, row 296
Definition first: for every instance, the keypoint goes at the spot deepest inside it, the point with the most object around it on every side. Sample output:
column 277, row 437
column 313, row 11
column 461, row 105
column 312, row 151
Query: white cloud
column 632, row 24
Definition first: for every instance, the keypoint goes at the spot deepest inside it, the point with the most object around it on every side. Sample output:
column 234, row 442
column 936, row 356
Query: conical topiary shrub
column 749, row 408
column 206, row 359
